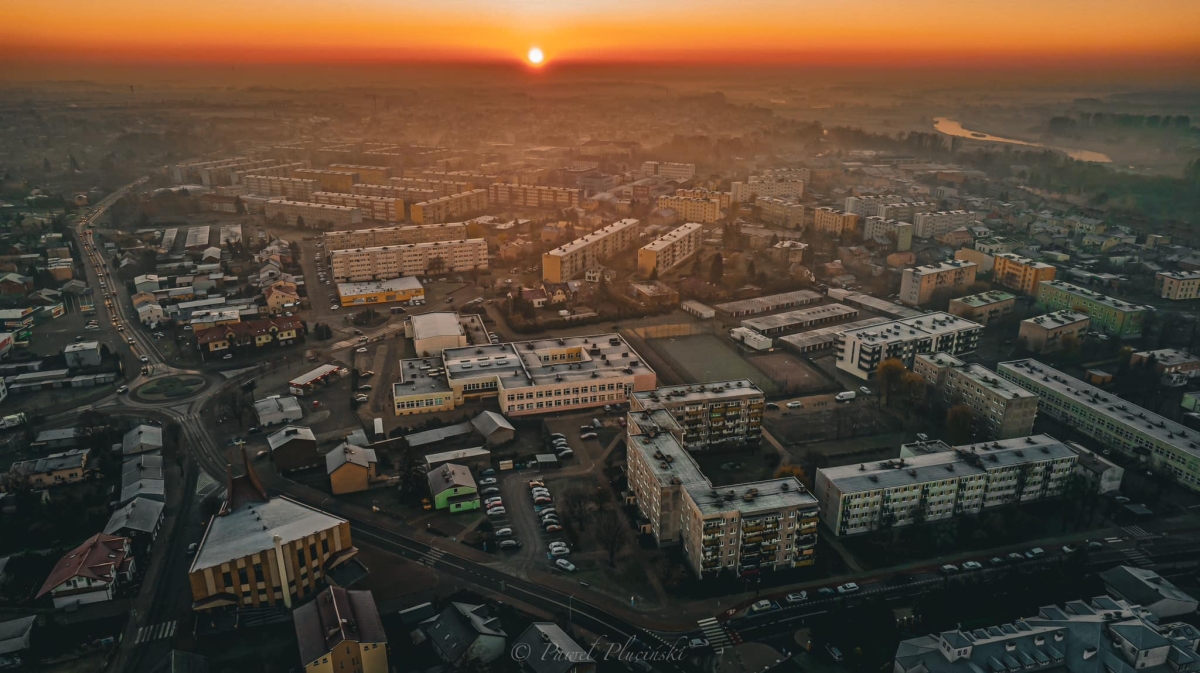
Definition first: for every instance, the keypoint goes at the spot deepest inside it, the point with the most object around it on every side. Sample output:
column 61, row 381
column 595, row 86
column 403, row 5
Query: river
column 953, row 128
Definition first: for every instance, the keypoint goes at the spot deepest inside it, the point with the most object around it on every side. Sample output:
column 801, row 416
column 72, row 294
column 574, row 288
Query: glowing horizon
column 852, row 32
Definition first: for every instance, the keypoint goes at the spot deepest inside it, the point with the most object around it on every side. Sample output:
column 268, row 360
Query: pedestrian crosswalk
column 1136, row 557
column 715, row 634
column 157, row 631
column 431, row 557
column 1136, row 532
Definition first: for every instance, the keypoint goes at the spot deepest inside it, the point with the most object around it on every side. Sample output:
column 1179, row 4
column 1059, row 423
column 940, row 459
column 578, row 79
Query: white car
column 496, row 511
column 559, row 551
column 361, row 398
column 360, row 350
column 588, row 435
column 798, row 597
column 144, row 359
column 761, row 606
column 228, row 356
column 334, row 308
column 504, row 532
column 558, row 543
column 794, row 405
column 847, row 588
column 540, row 492
column 122, row 390
column 492, row 501
column 565, row 565
column 488, row 481
column 972, row 565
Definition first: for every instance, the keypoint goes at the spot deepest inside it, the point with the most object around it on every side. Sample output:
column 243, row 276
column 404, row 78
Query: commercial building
column 260, row 551
column 1020, row 273
column 340, row 630
column 1149, row 590
column 835, row 223
column 737, row 529
column 433, row 332
column 1106, row 418
column 378, row 208
column 824, row 337
column 932, row 481
column 984, row 307
column 527, row 377
column 1045, row 333
column 794, row 321
column 532, row 196
column 919, row 285
column 932, row 225
column 82, row 354
column 709, row 415
column 1002, row 410
column 414, row 259
column 768, row 303
column 307, row 383
column 330, row 181
column 706, row 211
column 311, row 215
column 780, row 212
column 378, row 237
column 1110, row 316
column 1177, row 285
column 277, row 409
column 861, row 350
column 875, row 226
column 668, row 251
column 568, row 261
column 448, row 208
column 294, row 189
column 1096, row 636
column 369, row 292
column 669, row 170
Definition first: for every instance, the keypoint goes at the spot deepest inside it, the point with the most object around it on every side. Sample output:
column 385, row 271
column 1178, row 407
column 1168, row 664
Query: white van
column 846, row 396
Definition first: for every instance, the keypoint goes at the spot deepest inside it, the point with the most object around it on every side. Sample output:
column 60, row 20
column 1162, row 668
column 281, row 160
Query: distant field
column 705, row 357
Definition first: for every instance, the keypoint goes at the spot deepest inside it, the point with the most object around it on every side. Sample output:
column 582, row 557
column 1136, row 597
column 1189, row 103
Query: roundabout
column 168, row 388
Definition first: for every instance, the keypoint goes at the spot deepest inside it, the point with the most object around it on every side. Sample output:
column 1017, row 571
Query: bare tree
column 610, row 534
column 576, row 503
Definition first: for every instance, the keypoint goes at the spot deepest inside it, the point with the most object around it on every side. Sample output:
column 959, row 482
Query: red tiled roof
column 100, row 558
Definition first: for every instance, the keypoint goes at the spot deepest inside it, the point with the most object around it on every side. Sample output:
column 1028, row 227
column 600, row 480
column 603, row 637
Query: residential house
column 351, row 468
column 90, row 573
column 56, row 469
column 340, row 632
column 142, row 439
column 293, row 447
column 551, row 650
column 463, row 633
column 452, row 487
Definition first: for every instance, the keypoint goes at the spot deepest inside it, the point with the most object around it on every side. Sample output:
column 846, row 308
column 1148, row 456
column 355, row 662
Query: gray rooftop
column 1056, row 319
column 925, row 325
column 711, row 391
column 986, row 298
column 1093, row 296
column 769, row 302
column 800, row 317
column 287, row 433
column 140, row 514
column 827, row 335
column 436, row 435
column 437, row 324
column 250, row 528
column 551, row 649
column 349, row 454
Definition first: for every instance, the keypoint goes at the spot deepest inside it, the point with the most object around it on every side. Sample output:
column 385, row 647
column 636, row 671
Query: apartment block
column 1111, row 316
column 725, row 198
column 568, row 261
column 932, row 225
column 373, row 238
column 918, row 285
column 904, row 212
column 706, row 211
column 379, row 208
column 312, row 215
column 984, row 307
column 710, row 415
column 738, row 529
column 781, row 212
column 900, row 232
column 375, row 175
column 868, row 206
column 996, row 245
column 527, row 378
column 933, row 481
column 669, row 170
column 414, row 259
column 475, row 180
column 1002, row 410
column 409, row 195
column 189, row 172
column 835, row 223
column 294, row 189
column 861, row 350
column 532, row 196
column 670, row 250
column 1138, row 433
column 330, row 181
column 448, row 208
column 274, row 170
column 1020, row 273
column 439, row 187
column 1177, row 285
column 776, row 187
column 1045, row 333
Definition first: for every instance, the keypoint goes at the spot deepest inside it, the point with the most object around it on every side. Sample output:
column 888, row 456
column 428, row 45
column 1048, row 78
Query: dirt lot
column 822, row 419
column 705, row 357
column 792, row 374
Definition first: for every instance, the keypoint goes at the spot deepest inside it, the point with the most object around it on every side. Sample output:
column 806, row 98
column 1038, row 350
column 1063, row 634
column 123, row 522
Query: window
column 227, row 578
column 325, row 546
column 312, row 552
column 300, row 556
column 242, row 578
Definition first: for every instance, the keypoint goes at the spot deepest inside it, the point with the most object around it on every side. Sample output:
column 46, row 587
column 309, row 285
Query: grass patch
column 171, row 387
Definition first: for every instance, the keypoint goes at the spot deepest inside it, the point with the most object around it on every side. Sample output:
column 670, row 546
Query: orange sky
column 857, row 32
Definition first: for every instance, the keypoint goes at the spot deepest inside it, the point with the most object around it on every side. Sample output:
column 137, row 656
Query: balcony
column 753, row 529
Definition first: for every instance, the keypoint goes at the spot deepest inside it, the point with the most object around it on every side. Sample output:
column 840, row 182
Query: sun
column 535, row 56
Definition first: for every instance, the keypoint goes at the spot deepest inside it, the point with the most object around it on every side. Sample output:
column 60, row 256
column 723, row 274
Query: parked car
column 972, row 565
column 491, row 490
column 847, row 588
column 542, row 500
column 794, row 405
column 542, row 511
column 834, row 652
column 565, row 565
column 588, row 435
column 557, row 435
column 144, row 359
column 488, row 473
column 697, row 643
column 366, row 375
column 771, row 406
column 487, row 481
column 535, row 484
column 557, row 543
column 504, row 532
column 489, row 501
column 565, row 453
column 553, row 529
column 228, row 356
column 761, row 606
column 360, row 350
column 797, row 597
column 559, row 552
column 995, row 561
column 497, row 511
column 1014, row 557
column 1093, row 545
column 1068, row 549
column 364, row 387
column 362, row 399
column 509, row 544
column 865, row 390
column 949, row 569
column 1035, row 552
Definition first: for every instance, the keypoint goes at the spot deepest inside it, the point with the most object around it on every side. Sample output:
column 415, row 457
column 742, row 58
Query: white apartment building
column 1177, row 285
column 707, row 194
column 901, row 232
column 905, row 212
column 868, row 206
column 861, row 350
column 710, row 415
column 918, row 285
column 312, row 215
column 780, row 212
column 372, row 238
column 759, row 186
column 532, row 196
column 413, row 259
column 568, row 261
column 835, row 223
column 439, row 187
column 669, row 170
column 932, row 225
column 706, row 211
column 378, row 208
column 670, row 250
column 294, row 189
column 1136, row 432
column 1003, row 410
column 406, row 194
column 932, row 481
column 449, row 208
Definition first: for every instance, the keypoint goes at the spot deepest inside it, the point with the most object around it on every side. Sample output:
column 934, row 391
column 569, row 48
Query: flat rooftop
column 250, row 528
column 675, row 235
column 826, row 335
column 769, row 302
column 402, row 284
column 1169, row 357
column 599, row 234
column 1025, row 261
column 714, row 390
column 751, row 498
column 421, row 376
column 988, row 379
column 799, row 317
column 985, row 298
column 926, row 325
column 1093, row 296
column 436, row 324
column 1057, row 319
column 940, row 267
